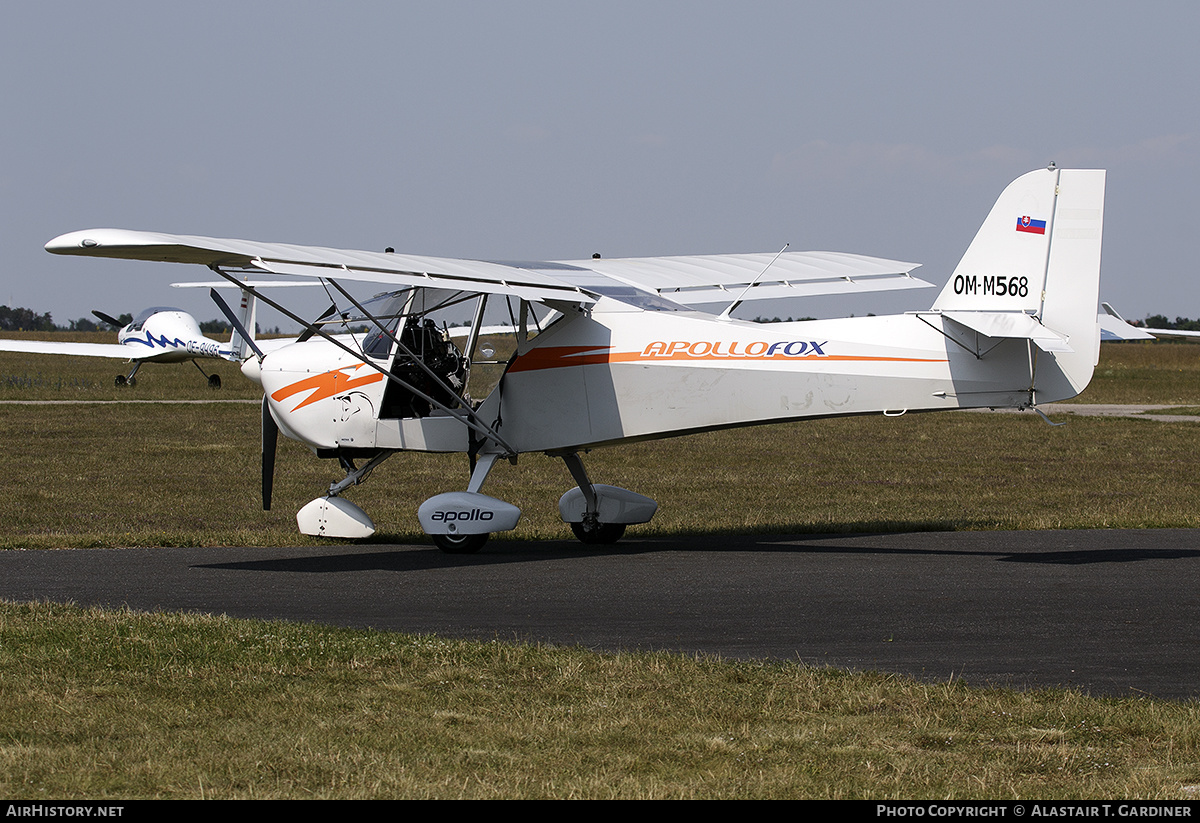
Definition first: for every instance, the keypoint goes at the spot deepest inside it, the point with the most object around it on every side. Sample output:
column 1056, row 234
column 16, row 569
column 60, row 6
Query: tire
column 461, row 543
column 600, row 534
column 214, row 381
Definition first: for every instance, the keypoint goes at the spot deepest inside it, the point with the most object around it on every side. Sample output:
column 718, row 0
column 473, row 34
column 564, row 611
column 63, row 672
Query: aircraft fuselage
column 618, row 373
column 169, row 336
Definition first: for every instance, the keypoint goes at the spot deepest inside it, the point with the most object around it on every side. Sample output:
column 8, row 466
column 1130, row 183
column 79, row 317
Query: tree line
column 1159, row 321
column 23, row 319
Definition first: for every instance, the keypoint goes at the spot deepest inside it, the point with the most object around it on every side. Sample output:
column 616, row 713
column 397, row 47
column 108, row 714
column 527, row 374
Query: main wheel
column 214, row 381
column 460, row 543
column 598, row 534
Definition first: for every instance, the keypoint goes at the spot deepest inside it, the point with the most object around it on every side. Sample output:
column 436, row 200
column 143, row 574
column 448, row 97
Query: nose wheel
column 128, row 379
column 214, row 380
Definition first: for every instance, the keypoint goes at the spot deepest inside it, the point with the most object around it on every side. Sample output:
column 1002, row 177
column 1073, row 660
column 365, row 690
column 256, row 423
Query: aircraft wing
column 1174, row 334
column 112, row 350
column 117, row 351
column 688, row 281
column 1115, row 327
column 722, row 278
column 524, row 280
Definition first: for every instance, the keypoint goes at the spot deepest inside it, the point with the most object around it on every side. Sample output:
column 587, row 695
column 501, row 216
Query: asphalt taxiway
column 1106, row 612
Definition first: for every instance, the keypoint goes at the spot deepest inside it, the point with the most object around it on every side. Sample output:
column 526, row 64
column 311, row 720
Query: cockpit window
column 386, row 308
column 141, row 319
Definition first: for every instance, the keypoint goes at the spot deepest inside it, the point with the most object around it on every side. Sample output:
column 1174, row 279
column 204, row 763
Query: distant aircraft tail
column 246, row 314
column 1033, row 272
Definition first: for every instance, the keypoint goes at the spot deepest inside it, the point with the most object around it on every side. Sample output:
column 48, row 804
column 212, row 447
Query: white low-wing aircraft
column 628, row 355
column 158, row 335
column 1115, row 327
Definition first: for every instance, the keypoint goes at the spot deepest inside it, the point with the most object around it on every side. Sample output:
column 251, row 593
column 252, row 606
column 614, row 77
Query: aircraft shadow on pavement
column 419, row 557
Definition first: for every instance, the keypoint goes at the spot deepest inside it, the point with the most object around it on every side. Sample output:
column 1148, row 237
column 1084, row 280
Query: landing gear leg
column 127, row 379
column 354, row 476
column 214, row 380
column 590, row 530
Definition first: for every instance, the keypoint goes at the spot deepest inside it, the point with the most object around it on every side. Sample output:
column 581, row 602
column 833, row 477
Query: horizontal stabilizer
column 1014, row 325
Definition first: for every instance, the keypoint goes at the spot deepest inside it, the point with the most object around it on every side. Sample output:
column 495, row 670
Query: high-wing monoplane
column 609, row 351
column 157, row 335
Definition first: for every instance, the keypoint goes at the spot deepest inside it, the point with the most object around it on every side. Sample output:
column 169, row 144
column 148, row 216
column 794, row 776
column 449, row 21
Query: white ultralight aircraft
column 628, row 356
column 158, row 335
column 1115, row 327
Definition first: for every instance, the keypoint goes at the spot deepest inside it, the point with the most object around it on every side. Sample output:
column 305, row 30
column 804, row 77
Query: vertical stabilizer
column 1038, row 255
column 246, row 313
column 1004, row 268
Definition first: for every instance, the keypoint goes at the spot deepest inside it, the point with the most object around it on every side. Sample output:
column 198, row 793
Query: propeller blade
column 109, row 319
column 312, row 330
column 270, row 436
column 237, row 324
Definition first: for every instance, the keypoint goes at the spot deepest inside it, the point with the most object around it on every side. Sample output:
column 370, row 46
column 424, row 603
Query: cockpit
column 146, row 314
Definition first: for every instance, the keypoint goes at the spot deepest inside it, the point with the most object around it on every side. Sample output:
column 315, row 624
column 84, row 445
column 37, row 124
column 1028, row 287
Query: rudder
column 1073, row 284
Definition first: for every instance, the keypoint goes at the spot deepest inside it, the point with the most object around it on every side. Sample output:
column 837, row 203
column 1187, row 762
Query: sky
column 552, row 130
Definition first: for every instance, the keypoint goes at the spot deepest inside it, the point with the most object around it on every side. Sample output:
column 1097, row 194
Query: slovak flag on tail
column 1028, row 224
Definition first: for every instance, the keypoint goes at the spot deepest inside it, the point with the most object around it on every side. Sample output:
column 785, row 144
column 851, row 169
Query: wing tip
column 92, row 241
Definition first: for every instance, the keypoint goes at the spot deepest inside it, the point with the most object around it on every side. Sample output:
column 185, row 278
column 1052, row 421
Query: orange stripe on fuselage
column 557, row 357
column 325, row 385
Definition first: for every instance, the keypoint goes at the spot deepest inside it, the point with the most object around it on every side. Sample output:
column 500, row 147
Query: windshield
column 387, row 309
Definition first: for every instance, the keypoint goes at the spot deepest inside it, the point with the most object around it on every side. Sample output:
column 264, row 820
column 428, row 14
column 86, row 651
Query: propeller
column 109, row 319
column 270, row 429
column 270, row 436
column 309, row 332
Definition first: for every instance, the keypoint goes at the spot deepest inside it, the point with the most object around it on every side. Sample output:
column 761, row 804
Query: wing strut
column 236, row 323
column 470, row 420
column 725, row 314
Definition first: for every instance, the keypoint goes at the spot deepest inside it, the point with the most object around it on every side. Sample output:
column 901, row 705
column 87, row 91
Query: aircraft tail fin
column 1033, row 272
column 246, row 313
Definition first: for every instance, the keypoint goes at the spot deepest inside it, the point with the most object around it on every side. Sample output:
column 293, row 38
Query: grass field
column 108, row 704
column 100, row 704
column 150, row 474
